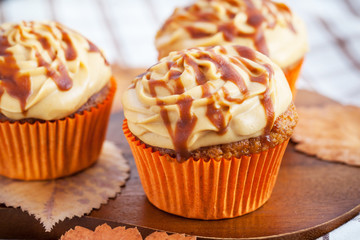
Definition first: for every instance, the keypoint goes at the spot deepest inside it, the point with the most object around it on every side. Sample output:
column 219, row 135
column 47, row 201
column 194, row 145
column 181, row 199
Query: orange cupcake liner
column 53, row 149
column 213, row 189
column 292, row 74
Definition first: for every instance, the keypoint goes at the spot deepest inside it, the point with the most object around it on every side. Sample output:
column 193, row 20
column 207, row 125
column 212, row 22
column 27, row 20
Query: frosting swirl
column 206, row 96
column 263, row 25
column 47, row 71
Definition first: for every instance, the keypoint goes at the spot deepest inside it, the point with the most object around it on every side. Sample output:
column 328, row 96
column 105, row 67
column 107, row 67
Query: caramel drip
column 229, row 31
column 270, row 114
column 169, row 64
column 94, row 48
column 157, row 83
column 61, row 78
column 183, row 128
column 196, row 32
column 70, row 51
column 231, row 99
column 228, row 73
column 199, row 74
column 205, row 91
column 175, row 75
column 15, row 84
column 216, row 117
column 245, row 52
column 44, row 43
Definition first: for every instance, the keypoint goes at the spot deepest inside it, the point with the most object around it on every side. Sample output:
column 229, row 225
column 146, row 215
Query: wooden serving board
column 311, row 197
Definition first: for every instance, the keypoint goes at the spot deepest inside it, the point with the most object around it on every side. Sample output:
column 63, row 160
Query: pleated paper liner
column 213, row 189
column 53, row 149
column 292, row 74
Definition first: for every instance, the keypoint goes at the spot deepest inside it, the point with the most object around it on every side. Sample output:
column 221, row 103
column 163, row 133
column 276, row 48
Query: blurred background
column 125, row 30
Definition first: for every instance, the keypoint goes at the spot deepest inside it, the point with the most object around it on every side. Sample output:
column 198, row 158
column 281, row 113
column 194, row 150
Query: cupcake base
column 53, row 149
column 212, row 189
column 292, row 74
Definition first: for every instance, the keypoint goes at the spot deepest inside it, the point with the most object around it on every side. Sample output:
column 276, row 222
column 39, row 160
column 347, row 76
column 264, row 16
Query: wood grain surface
column 311, row 197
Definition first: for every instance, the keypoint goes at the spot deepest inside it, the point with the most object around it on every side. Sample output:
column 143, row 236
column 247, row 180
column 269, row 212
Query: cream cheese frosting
column 206, row 96
column 266, row 26
column 47, row 71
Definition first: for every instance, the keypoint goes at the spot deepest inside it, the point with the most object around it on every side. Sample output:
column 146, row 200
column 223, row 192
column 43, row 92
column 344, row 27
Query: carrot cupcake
column 56, row 91
column 263, row 25
column 208, row 127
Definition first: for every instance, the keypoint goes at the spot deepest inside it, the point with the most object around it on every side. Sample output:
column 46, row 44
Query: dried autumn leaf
column 165, row 236
column 102, row 232
column 53, row 201
column 331, row 133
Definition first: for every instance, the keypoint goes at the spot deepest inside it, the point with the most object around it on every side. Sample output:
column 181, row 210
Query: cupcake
column 208, row 127
column 266, row 26
column 56, row 91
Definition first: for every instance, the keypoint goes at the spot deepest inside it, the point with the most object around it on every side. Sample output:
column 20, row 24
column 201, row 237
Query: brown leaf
column 165, row 236
column 331, row 133
column 53, row 201
column 102, row 232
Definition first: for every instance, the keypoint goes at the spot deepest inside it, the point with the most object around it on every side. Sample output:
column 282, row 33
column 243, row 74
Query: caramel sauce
column 70, row 51
column 175, row 75
column 205, row 91
column 199, row 74
column 184, row 127
column 231, row 99
column 229, row 31
column 228, row 73
column 157, row 83
column 270, row 114
column 169, row 64
column 196, row 32
column 207, row 17
column 216, row 117
column 44, row 43
column 15, row 84
column 245, row 52
column 61, row 78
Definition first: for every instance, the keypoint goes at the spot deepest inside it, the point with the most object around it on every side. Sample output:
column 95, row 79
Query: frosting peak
column 47, row 71
column 206, row 96
column 266, row 26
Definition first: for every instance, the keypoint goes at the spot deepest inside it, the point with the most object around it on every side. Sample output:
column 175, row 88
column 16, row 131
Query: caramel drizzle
column 70, row 51
column 183, row 128
column 230, row 31
column 61, row 78
column 187, row 121
column 11, row 81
